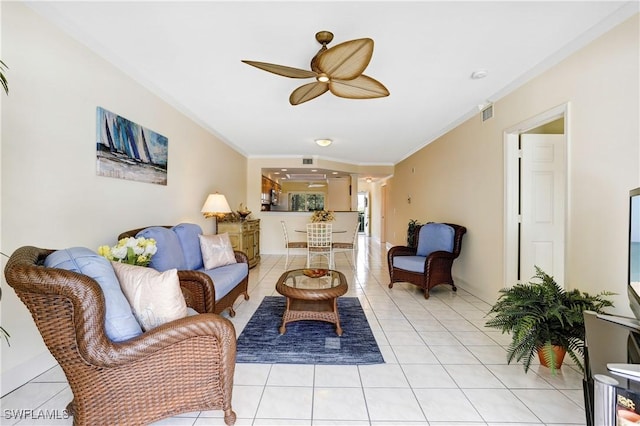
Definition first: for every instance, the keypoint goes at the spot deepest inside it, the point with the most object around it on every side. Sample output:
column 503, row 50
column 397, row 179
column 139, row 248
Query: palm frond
column 3, row 79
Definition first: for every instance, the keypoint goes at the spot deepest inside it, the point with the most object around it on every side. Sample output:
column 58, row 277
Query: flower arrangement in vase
column 134, row 251
column 322, row 216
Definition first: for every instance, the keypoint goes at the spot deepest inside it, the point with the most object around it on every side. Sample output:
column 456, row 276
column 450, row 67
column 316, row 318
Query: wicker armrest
column 401, row 251
column 107, row 354
column 241, row 257
column 442, row 255
column 201, row 288
column 188, row 298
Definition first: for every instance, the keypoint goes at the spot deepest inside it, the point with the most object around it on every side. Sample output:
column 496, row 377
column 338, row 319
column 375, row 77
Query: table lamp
column 215, row 206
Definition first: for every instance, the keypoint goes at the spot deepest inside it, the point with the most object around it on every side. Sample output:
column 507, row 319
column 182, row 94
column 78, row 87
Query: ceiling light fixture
column 477, row 75
column 324, row 142
column 368, row 180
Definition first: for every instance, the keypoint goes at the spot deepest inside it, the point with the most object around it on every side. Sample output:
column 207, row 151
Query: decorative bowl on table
column 315, row 273
column 244, row 213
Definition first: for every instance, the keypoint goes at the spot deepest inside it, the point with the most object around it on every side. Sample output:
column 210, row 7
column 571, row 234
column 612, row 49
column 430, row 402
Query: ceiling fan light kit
column 337, row 70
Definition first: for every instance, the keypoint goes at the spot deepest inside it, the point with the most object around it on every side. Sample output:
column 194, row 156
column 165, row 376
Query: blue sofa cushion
column 410, row 263
column 188, row 235
column 119, row 322
column 225, row 278
column 169, row 254
column 435, row 237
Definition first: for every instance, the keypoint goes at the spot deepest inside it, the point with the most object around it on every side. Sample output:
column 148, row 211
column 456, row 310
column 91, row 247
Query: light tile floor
column 442, row 366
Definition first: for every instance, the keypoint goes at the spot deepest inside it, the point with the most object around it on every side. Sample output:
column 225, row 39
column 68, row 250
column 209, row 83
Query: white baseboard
column 12, row 379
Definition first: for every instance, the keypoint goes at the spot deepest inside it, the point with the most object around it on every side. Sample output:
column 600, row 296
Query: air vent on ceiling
column 307, row 161
column 487, row 113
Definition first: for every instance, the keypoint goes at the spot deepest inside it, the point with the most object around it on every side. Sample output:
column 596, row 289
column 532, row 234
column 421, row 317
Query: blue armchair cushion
column 169, row 254
column 188, row 235
column 225, row 278
column 119, row 323
column 435, row 237
column 410, row 263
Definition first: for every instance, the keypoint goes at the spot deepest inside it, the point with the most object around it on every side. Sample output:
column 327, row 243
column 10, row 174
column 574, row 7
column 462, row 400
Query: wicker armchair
column 182, row 366
column 199, row 287
column 437, row 265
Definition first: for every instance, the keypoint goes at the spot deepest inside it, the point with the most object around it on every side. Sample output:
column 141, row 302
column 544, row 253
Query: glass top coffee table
column 312, row 294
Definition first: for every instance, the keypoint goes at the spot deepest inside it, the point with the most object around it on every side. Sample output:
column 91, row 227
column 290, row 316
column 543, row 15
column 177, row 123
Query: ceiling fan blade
column 363, row 87
column 347, row 60
column 282, row 70
column 307, row 92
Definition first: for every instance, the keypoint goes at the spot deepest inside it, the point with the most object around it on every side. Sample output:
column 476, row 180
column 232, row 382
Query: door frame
column 512, row 184
column 383, row 210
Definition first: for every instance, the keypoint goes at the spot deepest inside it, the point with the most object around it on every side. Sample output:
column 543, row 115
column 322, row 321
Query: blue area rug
column 308, row 342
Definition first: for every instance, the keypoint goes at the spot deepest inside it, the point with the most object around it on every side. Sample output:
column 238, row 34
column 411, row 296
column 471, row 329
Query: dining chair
column 351, row 246
column 290, row 244
column 319, row 242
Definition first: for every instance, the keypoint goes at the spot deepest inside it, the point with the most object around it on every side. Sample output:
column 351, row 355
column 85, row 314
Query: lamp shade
column 215, row 204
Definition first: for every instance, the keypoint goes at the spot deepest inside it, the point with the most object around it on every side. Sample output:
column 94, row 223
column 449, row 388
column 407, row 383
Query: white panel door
column 542, row 208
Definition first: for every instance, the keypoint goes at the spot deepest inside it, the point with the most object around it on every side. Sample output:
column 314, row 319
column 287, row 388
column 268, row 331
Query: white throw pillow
column 155, row 297
column 216, row 250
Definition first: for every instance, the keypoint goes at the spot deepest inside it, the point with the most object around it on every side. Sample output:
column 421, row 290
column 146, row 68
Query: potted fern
column 544, row 318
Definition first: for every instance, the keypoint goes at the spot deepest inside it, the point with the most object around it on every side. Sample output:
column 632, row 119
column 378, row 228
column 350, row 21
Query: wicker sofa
column 200, row 285
column 182, row 366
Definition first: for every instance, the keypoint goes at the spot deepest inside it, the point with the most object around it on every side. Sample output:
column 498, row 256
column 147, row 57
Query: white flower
column 132, row 242
column 119, row 252
column 150, row 250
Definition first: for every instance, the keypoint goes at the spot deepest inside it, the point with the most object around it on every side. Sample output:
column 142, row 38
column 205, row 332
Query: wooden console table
column 245, row 237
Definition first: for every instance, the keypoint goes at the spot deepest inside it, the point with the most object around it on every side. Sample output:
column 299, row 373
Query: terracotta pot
column 560, row 353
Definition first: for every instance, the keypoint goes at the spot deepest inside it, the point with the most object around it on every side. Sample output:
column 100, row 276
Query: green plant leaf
column 540, row 313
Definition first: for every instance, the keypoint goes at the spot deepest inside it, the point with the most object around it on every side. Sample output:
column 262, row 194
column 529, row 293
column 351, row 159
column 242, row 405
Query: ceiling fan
column 337, row 69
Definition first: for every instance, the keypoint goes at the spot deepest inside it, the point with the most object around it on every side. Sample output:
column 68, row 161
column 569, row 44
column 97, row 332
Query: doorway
column 536, row 201
column 363, row 213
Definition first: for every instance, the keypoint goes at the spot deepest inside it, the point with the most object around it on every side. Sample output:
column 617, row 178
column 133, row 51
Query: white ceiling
column 189, row 54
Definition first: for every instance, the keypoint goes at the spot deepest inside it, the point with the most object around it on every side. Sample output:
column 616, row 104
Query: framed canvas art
column 127, row 150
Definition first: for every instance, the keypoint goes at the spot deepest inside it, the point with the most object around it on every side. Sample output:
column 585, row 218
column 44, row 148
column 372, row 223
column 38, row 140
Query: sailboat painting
column 126, row 150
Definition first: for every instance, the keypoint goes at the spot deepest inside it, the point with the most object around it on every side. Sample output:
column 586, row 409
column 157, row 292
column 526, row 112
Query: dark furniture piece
column 434, row 269
column 199, row 287
column 182, row 366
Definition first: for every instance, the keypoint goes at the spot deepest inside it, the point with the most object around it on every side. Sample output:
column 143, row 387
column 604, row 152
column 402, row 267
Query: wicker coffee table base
column 315, row 310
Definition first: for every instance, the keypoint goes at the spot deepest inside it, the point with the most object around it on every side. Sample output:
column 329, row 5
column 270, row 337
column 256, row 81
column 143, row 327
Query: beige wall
column 459, row 177
column 51, row 196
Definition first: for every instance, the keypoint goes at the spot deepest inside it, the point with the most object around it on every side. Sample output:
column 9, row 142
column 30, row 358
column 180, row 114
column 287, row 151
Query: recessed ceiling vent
column 487, row 113
column 307, row 161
